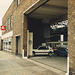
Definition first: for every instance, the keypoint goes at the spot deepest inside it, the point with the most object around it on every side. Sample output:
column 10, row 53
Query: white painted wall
column 9, row 34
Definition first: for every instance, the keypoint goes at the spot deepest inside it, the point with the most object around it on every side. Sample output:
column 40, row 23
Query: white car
column 43, row 50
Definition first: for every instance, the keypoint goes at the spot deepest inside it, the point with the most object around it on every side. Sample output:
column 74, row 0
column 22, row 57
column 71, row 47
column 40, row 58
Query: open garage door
column 46, row 24
column 41, row 19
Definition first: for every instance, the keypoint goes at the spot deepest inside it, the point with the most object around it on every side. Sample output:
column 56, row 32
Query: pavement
column 15, row 65
column 59, row 63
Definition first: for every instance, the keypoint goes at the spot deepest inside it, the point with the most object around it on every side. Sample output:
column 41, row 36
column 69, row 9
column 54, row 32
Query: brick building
column 34, row 16
column 8, row 33
column 71, row 34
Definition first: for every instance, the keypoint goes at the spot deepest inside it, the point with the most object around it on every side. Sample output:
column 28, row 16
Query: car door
column 42, row 51
column 64, row 53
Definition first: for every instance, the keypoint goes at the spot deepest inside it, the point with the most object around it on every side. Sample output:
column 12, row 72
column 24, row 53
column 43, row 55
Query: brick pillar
column 25, row 35
column 71, row 35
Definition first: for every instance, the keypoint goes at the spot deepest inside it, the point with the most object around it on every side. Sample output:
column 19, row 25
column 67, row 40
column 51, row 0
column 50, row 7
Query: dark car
column 61, row 52
column 54, row 49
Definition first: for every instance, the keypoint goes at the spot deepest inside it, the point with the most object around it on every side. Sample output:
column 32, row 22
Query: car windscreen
column 43, row 48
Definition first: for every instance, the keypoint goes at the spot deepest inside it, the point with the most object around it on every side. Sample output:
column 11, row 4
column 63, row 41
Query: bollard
column 23, row 53
column 67, row 66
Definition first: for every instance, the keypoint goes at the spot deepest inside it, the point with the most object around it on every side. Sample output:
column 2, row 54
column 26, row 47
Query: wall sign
column 3, row 28
column 30, row 42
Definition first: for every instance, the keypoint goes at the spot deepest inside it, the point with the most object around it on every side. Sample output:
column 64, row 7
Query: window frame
column 6, row 26
column 8, row 23
column 11, row 22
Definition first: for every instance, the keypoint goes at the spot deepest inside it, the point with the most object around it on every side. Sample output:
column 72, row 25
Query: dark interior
column 42, row 32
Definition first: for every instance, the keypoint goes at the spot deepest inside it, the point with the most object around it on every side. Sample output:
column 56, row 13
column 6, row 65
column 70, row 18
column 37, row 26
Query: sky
column 4, row 5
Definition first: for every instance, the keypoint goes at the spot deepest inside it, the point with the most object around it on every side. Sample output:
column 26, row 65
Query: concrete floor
column 59, row 63
column 14, row 65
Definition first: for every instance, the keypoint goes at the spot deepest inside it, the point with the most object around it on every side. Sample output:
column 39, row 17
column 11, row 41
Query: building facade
column 20, row 17
column 8, row 33
column 22, row 14
column 71, row 35
column 14, row 22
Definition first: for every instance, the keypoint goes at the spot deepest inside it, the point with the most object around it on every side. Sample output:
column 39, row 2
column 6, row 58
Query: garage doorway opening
column 36, row 26
column 43, row 20
column 44, row 33
column 49, row 25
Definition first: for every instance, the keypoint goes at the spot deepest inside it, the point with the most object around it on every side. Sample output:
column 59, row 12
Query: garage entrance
column 48, row 22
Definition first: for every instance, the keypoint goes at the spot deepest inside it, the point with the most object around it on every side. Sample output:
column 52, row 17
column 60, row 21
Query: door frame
column 17, row 40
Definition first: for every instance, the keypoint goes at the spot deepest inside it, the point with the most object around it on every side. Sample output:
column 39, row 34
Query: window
column 8, row 24
column 9, row 43
column 11, row 21
column 4, row 25
column 43, row 48
column 18, row 2
column 6, row 43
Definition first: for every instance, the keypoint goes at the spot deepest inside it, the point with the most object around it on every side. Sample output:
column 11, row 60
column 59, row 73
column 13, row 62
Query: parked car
column 43, row 50
column 61, row 51
column 54, row 49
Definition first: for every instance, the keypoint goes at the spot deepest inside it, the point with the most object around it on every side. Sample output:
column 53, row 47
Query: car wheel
column 33, row 53
column 50, row 54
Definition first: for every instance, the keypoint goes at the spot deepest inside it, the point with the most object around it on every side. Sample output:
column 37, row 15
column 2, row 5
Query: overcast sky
column 4, row 5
